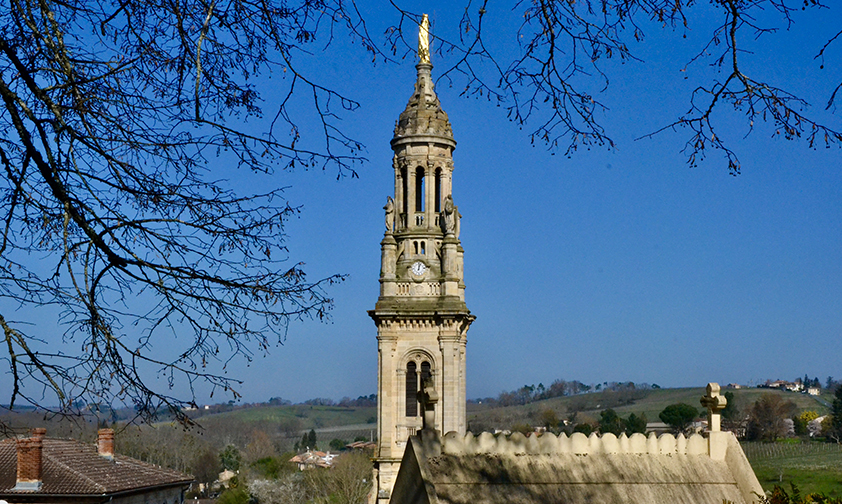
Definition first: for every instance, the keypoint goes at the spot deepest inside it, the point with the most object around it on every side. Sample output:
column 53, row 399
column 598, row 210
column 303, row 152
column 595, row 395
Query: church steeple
column 418, row 243
column 421, row 316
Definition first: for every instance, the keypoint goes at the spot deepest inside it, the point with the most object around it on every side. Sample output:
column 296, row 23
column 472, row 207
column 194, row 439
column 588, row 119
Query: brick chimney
column 105, row 443
column 29, row 462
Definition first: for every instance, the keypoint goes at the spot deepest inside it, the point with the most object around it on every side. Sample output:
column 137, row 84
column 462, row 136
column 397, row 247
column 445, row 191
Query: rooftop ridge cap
column 666, row 444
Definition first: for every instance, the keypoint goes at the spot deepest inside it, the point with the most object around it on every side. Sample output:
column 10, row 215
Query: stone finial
column 714, row 403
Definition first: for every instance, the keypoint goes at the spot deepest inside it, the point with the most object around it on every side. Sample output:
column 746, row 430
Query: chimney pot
column 105, row 443
column 29, row 464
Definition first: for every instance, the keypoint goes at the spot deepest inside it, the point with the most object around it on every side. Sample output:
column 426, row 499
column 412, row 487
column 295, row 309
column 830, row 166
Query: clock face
column 418, row 268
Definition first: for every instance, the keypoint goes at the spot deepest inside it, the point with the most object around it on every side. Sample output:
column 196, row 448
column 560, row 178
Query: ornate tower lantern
column 421, row 316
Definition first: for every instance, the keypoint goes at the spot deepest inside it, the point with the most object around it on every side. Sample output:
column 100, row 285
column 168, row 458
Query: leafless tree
column 114, row 111
column 768, row 417
column 347, row 482
column 286, row 490
column 163, row 444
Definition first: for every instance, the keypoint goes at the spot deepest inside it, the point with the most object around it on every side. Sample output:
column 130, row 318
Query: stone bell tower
column 421, row 316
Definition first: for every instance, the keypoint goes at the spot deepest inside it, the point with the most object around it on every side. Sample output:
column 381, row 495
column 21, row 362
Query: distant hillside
column 286, row 423
column 587, row 406
column 296, row 417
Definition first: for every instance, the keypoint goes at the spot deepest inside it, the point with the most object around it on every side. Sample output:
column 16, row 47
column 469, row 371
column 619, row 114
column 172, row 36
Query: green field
column 300, row 415
column 813, row 467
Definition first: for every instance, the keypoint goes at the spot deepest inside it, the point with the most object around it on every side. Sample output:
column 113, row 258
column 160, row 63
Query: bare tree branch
column 137, row 242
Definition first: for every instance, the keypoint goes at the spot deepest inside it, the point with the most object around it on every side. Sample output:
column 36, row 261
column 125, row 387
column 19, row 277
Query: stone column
column 388, row 258
column 450, row 403
column 386, row 399
column 450, row 268
column 430, row 197
column 410, row 195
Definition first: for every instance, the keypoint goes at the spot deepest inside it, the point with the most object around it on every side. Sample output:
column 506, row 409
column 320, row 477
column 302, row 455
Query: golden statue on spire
column 424, row 40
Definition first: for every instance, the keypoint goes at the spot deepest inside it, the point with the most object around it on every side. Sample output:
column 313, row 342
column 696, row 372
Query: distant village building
column 362, row 445
column 657, row 428
column 795, row 386
column 312, row 459
column 223, row 479
column 39, row 469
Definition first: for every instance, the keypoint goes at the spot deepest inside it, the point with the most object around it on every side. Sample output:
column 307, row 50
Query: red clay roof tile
column 71, row 467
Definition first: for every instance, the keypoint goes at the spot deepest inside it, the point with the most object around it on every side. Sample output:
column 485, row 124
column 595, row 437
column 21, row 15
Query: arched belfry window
column 405, row 190
column 419, row 190
column 414, row 384
column 411, row 390
column 438, row 190
column 425, row 373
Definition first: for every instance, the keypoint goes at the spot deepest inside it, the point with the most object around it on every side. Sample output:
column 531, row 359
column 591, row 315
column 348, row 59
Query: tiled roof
column 71, row 467
column 361, row 445
column 313, row 458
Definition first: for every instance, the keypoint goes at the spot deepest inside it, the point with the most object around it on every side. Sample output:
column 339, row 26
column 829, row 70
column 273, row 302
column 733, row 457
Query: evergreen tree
column 610, row 421
column 635, row 424
column 679, row 416
column 836, row 417
column 230, row 458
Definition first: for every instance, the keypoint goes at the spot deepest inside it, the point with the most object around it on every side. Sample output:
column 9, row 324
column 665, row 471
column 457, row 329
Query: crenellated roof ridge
column 578, row 444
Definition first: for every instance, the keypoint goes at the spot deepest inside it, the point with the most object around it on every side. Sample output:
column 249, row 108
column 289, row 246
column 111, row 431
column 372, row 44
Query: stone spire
column 423, row 114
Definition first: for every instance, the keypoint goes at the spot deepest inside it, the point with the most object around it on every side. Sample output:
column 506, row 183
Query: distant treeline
column 559, row 388
column 345, row 402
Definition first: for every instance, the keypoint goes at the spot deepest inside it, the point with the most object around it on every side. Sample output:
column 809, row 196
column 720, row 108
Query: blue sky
column 607, row 265
column 620, row 264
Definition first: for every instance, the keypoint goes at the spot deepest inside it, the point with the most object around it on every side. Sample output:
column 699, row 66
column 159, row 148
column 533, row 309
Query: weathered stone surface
column 596, row 471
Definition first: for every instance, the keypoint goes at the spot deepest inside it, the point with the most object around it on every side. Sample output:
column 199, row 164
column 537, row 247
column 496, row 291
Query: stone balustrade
column 418, row 289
